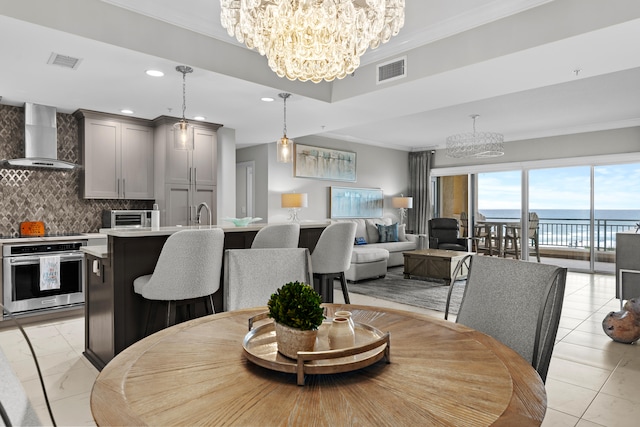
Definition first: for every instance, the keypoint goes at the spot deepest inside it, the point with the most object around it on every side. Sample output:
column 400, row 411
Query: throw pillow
column 402, row 233
column 388, row 233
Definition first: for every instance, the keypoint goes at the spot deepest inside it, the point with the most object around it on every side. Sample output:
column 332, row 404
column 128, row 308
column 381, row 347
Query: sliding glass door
column 616, row 209
column 561, row 197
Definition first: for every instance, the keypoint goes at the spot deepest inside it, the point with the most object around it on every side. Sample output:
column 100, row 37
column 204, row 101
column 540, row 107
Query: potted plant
column 295, row 309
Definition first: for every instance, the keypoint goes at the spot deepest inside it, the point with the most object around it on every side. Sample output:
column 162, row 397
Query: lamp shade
column 294, row 200
column 402, row 202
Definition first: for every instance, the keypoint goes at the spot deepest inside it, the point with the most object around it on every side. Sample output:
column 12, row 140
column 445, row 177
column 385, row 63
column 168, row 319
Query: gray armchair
column 444, row 234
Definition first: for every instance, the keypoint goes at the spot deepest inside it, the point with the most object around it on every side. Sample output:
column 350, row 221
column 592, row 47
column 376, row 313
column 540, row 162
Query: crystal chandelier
column 475, row 144
column 312, row 39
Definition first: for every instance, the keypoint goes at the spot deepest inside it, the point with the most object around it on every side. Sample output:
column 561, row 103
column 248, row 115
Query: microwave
column 126, row 218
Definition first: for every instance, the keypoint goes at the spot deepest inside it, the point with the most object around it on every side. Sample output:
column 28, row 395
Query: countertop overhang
column 164, row 231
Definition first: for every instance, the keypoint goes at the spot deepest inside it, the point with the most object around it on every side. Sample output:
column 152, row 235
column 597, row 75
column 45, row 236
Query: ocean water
column 570, row 227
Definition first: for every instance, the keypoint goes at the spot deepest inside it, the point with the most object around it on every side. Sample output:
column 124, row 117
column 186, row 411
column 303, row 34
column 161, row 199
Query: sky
column 616, row 187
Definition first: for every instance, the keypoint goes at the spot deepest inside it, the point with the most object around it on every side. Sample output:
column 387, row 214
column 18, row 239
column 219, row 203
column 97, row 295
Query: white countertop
column 164, row 231
column 79, row 236
column 99, row 251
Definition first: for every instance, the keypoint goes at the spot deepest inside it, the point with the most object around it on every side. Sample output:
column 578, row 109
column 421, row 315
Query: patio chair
column 516, row 302
column 513, row 242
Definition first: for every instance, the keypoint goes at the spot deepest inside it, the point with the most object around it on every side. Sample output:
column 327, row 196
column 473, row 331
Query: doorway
column 245, row 189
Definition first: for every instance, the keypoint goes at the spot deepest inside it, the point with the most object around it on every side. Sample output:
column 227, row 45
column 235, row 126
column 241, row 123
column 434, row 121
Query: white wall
column 226, row 179
column 376, row 167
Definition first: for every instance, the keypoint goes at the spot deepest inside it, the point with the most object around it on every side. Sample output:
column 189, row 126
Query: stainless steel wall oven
column 22, row 290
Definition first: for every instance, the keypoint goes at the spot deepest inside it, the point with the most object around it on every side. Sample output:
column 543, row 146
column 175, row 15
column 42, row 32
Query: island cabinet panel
column 99, row 297
column 117, row 155
column 115, row 315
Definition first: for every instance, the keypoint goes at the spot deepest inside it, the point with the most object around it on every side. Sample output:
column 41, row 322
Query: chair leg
column 209, row 305
column 345, row 291
column 171, row 313
column 151, row 316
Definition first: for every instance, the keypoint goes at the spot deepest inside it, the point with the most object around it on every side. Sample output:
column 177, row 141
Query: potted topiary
column 295, row 309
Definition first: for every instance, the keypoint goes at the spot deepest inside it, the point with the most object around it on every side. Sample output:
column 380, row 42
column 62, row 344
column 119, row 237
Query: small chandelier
column 285, row 145
column 476, row 144
column 183, row 131
column 312, row 39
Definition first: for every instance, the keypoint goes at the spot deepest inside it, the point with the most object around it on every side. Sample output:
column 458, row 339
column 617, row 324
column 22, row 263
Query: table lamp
column 402, row 203
column 294, row 201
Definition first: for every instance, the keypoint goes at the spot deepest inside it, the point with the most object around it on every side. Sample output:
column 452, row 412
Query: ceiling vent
column 392, row 70
column 64, row 61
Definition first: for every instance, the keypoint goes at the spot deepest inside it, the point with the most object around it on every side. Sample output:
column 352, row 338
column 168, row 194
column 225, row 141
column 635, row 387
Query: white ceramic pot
column 341, row 334
column 291, row 340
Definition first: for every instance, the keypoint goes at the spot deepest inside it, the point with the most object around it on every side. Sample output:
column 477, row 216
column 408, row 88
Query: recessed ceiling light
column 199, row 118
column 154, row 73
column 267, row 99
column 125, row 111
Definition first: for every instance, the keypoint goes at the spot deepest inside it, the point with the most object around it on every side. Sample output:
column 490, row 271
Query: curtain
column 420, row 189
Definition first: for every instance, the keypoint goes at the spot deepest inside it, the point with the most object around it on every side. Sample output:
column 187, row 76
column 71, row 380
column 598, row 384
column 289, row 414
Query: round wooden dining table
column 438, row 373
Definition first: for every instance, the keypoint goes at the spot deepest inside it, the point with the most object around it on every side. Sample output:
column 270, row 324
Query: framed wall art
column 324, row 163
column 349, row 202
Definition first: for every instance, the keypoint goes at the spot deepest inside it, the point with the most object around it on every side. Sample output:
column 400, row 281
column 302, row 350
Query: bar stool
column 332, row 257
column 277, row 236
column 188, row 270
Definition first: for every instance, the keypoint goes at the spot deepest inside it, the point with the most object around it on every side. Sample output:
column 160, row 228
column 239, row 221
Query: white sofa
column 372, row 259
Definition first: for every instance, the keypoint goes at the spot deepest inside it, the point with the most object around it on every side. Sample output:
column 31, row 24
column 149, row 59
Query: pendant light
column 285, row 145
column 183, row 131
column 475, row 144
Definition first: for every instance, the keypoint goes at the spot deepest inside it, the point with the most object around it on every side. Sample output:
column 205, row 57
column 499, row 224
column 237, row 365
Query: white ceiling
column 511, row 61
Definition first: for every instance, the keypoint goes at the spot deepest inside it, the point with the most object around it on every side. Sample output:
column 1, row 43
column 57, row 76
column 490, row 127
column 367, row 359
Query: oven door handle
column 26, row 260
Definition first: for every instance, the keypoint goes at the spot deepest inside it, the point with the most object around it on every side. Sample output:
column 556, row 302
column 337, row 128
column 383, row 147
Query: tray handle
column 304, row 356
column 257, row 317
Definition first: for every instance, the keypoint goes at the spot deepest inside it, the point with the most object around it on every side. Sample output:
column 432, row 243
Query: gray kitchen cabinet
column 187, row 177
column 117, row 155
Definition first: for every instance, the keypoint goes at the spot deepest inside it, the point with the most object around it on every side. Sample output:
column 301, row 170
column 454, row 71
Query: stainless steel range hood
column 40, row 139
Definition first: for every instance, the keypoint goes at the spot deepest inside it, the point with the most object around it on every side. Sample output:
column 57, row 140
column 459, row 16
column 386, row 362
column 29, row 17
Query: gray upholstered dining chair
column 277, row 236
column 332, row 257
column 188, row 269
column 252, row 275
column 516, row 302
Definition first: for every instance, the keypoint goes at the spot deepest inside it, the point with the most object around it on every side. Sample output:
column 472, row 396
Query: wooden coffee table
column 433, row 263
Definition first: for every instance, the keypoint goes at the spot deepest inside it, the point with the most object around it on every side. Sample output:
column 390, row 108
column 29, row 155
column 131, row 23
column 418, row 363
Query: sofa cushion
column 372, row 228
column 402, row 232
column 362, row 255
column 388, row 233
column 397, row 246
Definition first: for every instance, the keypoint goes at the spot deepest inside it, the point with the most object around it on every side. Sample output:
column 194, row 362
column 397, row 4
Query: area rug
column 419, row 292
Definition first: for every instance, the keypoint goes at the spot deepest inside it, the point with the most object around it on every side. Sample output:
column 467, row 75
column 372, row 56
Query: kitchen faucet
column 200, row 206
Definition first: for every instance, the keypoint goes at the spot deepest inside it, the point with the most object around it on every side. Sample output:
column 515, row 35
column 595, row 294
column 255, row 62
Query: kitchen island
column 115, row 314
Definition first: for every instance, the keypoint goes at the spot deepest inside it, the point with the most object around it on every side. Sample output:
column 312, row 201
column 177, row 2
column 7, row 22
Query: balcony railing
column 574, row 233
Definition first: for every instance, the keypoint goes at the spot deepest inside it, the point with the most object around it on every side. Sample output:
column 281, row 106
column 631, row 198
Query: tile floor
column 592, row 380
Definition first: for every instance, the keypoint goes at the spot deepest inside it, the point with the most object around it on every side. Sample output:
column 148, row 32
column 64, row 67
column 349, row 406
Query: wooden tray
column 260, row 347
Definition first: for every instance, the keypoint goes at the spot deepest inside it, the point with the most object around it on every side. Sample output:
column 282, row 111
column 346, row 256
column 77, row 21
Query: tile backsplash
column 51, row 196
